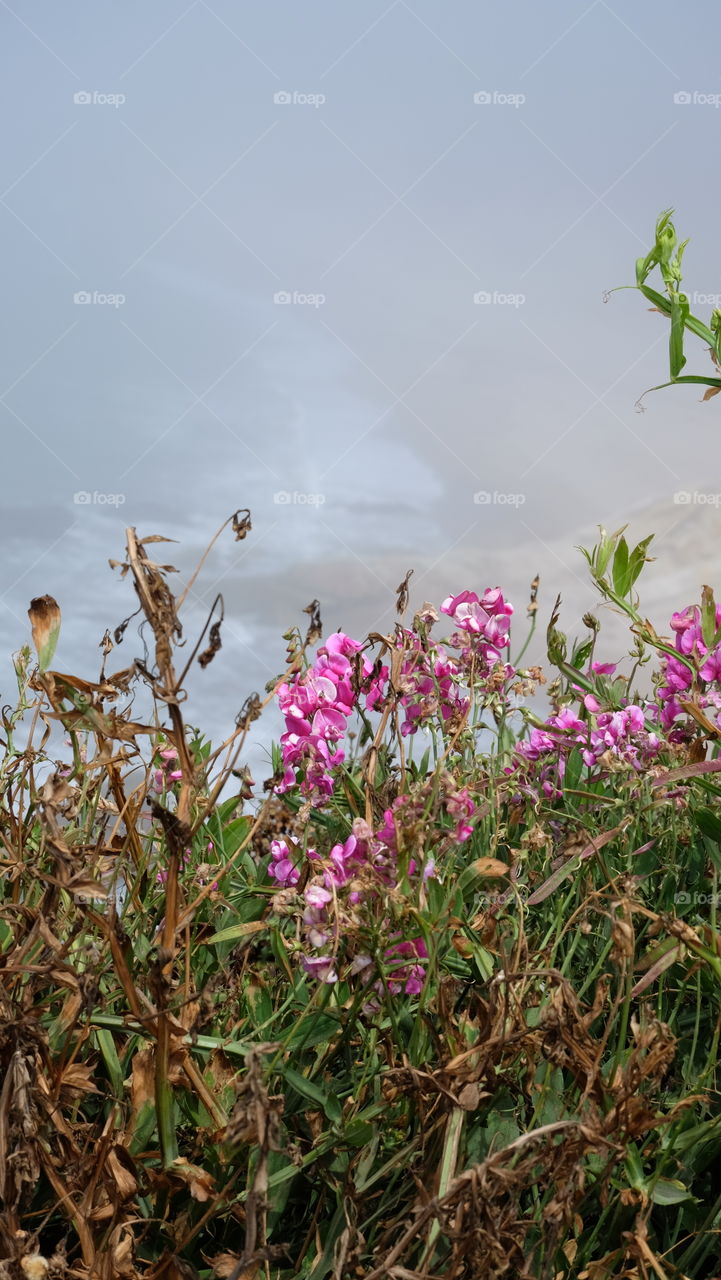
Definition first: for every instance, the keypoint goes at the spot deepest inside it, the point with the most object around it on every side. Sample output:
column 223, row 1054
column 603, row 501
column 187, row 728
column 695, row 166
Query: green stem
column 164, row 1101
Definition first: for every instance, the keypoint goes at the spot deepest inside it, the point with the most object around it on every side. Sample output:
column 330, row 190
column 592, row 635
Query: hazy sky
column 246, row 252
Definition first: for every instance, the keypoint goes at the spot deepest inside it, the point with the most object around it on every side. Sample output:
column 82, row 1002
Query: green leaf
column 620, row 571
column 581, row 653
column 679, row 312
column 708, row 822
column 358, row 1133
column 237, row 931
column 638, row 558
column 144, row 1129
column 106, row 1044
column 669, row 1191
column 307, row 1089
column 574, row 769
column 708, row 617
column 319, row 1029
column 603, row 553
column 228, row 837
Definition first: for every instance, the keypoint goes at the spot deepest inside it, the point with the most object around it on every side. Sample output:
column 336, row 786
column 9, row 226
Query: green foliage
column 666, row 256
column 186, row 1100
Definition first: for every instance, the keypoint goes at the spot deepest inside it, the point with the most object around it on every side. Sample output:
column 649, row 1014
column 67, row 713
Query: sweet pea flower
column 282, row 868
column 320, row 967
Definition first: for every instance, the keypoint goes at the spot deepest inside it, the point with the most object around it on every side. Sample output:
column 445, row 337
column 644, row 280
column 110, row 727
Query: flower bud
column 44, row 615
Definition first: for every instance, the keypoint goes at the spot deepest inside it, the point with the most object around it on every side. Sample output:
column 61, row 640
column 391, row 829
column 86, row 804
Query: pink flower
column 711, row 669
column 316, row 705
column 318, row 897
column 460, row 806
column 282, row 867
column 320, row 967
column 407, row 977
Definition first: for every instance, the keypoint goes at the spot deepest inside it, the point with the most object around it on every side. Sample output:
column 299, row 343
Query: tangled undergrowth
column 440, row 1000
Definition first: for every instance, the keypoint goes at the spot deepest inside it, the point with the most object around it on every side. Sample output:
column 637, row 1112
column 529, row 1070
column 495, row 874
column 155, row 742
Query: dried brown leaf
column 122, row 1168
column 200, row 1184
column 224, row 1264
column 490, row 867
column 142, row 1080
column 470, row 1097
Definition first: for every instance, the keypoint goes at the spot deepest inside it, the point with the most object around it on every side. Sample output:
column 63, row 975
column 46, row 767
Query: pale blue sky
column 397, row 198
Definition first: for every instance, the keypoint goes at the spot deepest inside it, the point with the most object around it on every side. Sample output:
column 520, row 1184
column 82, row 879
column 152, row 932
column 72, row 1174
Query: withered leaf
column 121, row 1251
column 315, row 626
column 214, row 645
column 224, row 1264
column 490, row 867
column 78, row 1076
column 402, row 593
column 470, row 1097
column 200, row 1184
column 122, row 1167
column 142, row 1080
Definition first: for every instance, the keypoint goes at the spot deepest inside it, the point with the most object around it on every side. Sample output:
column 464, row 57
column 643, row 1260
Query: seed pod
column 44, row 615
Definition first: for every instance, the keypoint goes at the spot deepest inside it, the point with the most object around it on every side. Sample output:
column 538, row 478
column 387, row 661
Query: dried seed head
column 34, row 1266
column 44, row 615
column 402, row 593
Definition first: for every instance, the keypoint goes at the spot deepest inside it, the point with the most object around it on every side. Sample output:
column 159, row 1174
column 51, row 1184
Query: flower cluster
column 483, row 629
column 317, row 704
column 605, row 739
column 343, row 891
column 283, row 866
column 680, row 679
column 167, row 771
column 346, row 892
column 429, row 683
